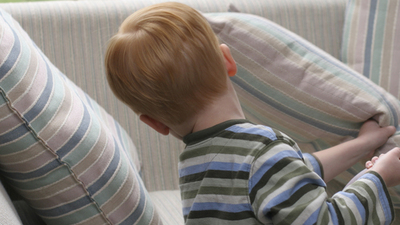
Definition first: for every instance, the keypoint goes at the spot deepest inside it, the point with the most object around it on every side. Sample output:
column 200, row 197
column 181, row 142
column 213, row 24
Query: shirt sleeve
column 314, row 164
column 284, row 190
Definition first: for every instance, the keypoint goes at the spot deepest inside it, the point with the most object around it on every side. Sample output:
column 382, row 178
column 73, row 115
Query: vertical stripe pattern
column 371, row 41
column 58, row 148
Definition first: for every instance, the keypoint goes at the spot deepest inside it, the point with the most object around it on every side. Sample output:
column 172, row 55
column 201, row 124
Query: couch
column 73, row 36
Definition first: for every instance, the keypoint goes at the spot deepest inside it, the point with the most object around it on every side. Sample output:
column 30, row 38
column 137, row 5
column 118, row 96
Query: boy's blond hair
column 165, row 62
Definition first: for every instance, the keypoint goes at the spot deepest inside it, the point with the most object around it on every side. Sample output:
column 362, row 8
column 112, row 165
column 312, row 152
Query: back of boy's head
column 165, row 62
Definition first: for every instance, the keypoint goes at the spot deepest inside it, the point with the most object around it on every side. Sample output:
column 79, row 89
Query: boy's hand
column 372, row 136
column 371, row 163
column 388, row 166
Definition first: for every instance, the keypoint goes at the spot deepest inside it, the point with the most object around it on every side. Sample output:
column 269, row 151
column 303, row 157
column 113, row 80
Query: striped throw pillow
column 58, row 148
column 287, row 83
column 371, row 41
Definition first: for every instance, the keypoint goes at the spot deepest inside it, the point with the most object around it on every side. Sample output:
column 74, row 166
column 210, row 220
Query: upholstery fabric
column 371, row 41
column 8, row 214
column 287, row 83
column 58, row 149
column 26, row 213
column 74, row 34
column 169, row 206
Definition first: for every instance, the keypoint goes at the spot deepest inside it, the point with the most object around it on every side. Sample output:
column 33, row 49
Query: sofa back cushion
column 59, row 149
column 371, row 41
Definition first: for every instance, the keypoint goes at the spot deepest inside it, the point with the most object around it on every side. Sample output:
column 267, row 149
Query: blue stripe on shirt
column 285, row 195
column 313, row 218
column 314, row 163
column 268, row 164
column 265, row 131
column 382, row 195
column 333, row 213
column 358, row 204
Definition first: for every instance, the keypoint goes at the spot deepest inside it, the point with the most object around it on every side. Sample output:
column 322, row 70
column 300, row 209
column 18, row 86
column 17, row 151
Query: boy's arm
column 283, row 190
column 341, row 157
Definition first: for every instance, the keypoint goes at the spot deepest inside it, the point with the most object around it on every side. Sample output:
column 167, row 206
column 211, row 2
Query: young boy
column 167, row 65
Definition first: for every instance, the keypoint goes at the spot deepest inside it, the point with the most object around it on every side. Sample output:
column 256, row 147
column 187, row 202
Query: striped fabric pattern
column 169, row 206
column 58, row 149
column 240, row 173
column 74, row 34
column 371, row 41
column 287, row 83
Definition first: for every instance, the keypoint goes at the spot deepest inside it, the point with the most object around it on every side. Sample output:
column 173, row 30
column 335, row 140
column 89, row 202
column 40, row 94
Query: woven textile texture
column 371, row 41
column 59, row 150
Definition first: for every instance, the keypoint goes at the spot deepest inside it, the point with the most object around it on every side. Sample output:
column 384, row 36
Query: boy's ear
column 155, row 124
column 230, row 63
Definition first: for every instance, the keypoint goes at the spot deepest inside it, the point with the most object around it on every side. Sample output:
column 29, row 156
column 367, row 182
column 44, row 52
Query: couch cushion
column 169, row 206
column 59, row 149
column 8, row 214
column 371, row 41
column 285, row 82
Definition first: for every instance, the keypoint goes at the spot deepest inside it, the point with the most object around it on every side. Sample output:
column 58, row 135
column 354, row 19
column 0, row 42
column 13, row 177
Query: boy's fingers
column 374, row 159
column 370, row 164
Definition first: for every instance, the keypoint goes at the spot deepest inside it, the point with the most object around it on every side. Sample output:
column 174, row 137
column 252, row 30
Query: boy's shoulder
column 258, row 133
column 238, row 132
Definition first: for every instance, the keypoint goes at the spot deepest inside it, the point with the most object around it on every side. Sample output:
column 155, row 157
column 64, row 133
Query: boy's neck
column 226, row 107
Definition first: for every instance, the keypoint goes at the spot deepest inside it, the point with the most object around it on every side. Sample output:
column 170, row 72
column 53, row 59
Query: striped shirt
column 240, row 173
